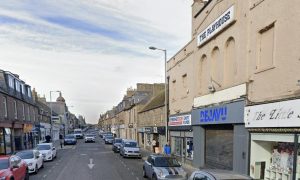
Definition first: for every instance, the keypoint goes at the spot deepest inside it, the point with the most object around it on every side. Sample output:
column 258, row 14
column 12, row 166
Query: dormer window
column 18, row 86
column 23, row 89
column 28, row 92
column 11, row 82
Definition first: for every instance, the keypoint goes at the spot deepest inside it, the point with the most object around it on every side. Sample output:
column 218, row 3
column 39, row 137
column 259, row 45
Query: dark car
column 109, row 139
column 70, row 139
column 13, row 167
column 116, row 145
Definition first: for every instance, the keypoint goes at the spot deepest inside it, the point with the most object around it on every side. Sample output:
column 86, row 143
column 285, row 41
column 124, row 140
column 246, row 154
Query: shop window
column 189, row 148
column 176, row 146
column 2, row 144
column 272, row 156
column 7, row 136
column 265, row 48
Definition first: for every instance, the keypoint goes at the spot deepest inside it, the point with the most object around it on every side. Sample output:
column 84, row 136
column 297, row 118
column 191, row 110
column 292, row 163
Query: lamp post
column 51, row 128
column 166, row 105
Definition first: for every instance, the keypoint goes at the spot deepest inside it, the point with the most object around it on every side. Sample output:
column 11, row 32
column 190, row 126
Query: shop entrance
column 219, row 147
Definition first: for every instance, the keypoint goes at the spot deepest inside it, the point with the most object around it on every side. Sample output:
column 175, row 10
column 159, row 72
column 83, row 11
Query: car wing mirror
column 53, row 148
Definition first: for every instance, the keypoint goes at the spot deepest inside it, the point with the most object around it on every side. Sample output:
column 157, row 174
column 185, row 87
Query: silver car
column 163, row 167
column 130, row 148
column 216, row 174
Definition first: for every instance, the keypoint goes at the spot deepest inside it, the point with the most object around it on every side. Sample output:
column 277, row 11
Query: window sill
column 263, row 70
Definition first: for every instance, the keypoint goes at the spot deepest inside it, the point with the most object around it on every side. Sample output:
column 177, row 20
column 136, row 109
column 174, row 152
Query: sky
column 90, row 50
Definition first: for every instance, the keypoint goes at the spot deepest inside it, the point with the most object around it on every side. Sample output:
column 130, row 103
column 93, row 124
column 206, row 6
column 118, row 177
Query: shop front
column 148, row 138
column 275, row 131
column 181, row 137
column 45, row 129
column 28, row 138
column 220, row 137
column 141, row 137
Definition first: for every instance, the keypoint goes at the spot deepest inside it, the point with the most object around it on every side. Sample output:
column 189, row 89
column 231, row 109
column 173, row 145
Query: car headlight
column 160, row 174
column 2, row 178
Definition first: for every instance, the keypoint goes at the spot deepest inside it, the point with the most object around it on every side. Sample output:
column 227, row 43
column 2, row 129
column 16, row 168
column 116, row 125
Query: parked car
column 48, row 151
column 107, row 134
column 70, row 139
column 109, row 139
column 33, row 159
column 215, row 174
column 159, row 166
column 89, row 138
column 116, row 145
column 130, row 148
column 78, row 133
column 13, row 167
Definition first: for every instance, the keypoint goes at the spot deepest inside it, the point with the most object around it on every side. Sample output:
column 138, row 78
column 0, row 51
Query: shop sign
column 27, row 128
column 148, row 129
column 141, row 130
column 180, row 120
column 220, row 23
column 279, row 114
column 122, row 126
column 223, row 114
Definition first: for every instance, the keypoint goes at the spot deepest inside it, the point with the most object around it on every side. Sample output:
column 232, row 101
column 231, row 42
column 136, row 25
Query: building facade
column 240, row 61
column 18, row 114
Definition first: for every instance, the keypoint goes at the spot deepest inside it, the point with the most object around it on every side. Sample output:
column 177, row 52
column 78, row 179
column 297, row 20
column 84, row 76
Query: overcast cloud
column 91, row 50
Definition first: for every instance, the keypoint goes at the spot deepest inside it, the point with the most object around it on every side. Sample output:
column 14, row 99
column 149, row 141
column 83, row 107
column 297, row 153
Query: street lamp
column 51, row 128
column 166, row 106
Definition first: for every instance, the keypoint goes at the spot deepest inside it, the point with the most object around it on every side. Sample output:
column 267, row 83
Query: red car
column 13, row 168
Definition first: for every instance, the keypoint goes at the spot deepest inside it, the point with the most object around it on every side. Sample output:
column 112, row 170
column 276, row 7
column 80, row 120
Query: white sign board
column 183, row 120
column 279, row 114
column 220, row 23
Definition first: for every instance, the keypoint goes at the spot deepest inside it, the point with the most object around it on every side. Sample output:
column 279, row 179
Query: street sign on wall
column 279, row 114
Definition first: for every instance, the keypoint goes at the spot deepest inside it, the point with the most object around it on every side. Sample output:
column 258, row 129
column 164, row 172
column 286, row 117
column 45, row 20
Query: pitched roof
column 155, row 102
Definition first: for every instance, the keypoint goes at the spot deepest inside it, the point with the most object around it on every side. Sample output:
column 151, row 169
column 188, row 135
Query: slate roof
column 155, row 102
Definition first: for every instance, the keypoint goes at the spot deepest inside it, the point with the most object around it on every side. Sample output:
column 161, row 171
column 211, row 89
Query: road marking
column 45, row 176
column 91, row 165
column 83, row 154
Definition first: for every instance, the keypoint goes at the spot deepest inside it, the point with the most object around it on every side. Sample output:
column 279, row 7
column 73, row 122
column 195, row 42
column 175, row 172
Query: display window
column 272, row 156
column 176, row 147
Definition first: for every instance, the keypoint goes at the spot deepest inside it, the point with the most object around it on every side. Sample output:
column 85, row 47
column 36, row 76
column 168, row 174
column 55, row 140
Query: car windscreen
column 166, row 162
column 25, row 155
column 109, row 137
column 77, row 132
column 130, row 144
column 69, row 137
column 43, row 147
column 89, row 135
column 118, row 140
column 4, row 163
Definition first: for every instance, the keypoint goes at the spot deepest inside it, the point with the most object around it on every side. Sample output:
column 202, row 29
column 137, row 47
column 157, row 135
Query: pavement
column 91, row 161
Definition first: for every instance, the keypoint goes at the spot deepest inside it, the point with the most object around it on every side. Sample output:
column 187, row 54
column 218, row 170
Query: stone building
column 242, row 57
column 18, row 114
column 152, row 122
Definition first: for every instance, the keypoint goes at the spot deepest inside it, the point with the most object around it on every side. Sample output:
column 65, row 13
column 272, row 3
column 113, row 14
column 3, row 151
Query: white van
column 78, row 133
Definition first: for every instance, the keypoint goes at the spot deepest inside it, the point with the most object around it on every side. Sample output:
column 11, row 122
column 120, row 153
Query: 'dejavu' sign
column 214, row 114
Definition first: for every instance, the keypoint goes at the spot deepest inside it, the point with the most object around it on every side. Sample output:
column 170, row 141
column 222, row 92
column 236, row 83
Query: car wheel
column 154, row 177
column 144, row 173
column 26, row 175
column 36, row 170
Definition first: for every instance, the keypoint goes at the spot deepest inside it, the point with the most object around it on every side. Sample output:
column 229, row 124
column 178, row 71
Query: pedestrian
column 48, row 138
column 153, row 145
column 167, row 149
column 61, row 140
